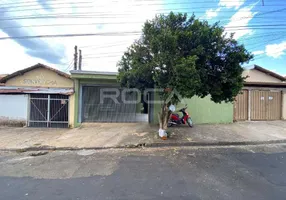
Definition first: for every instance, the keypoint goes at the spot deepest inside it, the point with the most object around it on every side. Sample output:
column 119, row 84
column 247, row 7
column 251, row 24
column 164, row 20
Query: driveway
column 122, row 134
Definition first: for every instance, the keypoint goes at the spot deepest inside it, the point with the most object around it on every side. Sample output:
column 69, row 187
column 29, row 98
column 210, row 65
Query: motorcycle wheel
column 169, row 124
column 190, row 122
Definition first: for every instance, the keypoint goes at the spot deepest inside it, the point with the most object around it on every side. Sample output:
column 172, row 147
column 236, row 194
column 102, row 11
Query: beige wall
column 40, row 77
column 258, row 76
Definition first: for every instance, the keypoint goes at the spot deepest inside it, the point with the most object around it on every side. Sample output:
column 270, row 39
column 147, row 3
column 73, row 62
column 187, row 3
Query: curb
column 218, row 144
column 151, row 145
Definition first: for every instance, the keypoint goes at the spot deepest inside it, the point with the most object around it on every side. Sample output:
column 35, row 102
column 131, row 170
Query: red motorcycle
column 185, row 119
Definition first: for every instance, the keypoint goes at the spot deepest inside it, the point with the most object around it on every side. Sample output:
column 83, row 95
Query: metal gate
column 113, row 109
column 266, row 105
column 48, row 110
column 241, row 106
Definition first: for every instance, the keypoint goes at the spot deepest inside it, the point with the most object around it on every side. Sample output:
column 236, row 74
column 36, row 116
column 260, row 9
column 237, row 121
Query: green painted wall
column 203, row 111
column 76, row 93
column 93, row 76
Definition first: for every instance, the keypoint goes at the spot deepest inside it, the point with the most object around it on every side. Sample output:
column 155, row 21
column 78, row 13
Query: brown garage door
column 241, row 106
column 265, row 105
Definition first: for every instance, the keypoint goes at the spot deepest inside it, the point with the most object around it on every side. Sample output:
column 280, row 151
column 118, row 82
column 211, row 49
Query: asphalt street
column 166, row 173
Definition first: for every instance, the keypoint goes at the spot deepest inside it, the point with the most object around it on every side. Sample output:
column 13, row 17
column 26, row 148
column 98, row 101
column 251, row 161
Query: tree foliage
column 185, row 54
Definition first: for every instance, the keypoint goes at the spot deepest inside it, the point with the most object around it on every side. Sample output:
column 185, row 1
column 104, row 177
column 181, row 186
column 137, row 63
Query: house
column 99, row 98
column 263, row 96
column 37, row 96
column 89, row 86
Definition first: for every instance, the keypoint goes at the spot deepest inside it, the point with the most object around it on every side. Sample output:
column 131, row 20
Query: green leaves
column 185, row 54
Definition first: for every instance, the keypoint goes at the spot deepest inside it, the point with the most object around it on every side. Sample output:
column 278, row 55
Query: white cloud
column 275, row 50
column 258, row 52
column 211, row 13
column 104, row 13
column 239, row 22
column 231, row 3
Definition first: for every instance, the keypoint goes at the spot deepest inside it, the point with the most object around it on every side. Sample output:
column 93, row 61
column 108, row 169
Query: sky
column 258, row 25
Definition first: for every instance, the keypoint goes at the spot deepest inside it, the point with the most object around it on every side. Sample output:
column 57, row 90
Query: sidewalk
column 141, row 134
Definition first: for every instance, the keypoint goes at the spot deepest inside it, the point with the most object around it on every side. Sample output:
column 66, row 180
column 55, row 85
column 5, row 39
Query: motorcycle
column 185, row 119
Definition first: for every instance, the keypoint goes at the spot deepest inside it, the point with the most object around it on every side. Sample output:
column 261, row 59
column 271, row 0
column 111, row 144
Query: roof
column 39, row 65
column 30, row 90
column 93, row 72
column 3, row 75
column 266, row 71
column 265, row 84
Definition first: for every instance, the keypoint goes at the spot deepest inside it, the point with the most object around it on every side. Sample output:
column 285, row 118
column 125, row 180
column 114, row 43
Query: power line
column 74, row 35
column 49, row 4
column 26, row 2
column 33, row 9
column 260, row 56
column 111, row 45
column 263, row 35
column 139, row 22
column 69, row 66
column 105, row 15
column 255, row 26
column 193, row 2
column 103, row 6
column 104, row 53
column 105, row 56
column 264, row 43
column 102, row 15
column 112, row 34
column 118, row 1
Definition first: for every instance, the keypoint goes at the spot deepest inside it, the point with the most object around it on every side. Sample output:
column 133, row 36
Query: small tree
column 191, row 56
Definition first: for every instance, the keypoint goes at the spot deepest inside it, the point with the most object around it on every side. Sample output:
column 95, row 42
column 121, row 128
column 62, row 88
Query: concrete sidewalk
column 87, row 136
column 136, row 134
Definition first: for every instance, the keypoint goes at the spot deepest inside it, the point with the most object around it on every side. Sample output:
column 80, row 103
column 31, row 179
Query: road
column 166, row 173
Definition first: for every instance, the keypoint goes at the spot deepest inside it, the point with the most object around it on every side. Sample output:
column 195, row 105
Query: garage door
column 265, row 105
column 111, row 108
column 241, row 106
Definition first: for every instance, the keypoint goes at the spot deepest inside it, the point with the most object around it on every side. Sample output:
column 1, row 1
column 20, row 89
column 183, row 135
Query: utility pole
column 262, row 2
column 80, row 60
column 75, row 58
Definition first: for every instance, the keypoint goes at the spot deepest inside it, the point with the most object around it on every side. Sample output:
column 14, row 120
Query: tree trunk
column 163, row 116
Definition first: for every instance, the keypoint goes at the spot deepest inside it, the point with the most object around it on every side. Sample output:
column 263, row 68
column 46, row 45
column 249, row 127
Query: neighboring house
column 263, row 96
column 38, row 96
column 2, row 76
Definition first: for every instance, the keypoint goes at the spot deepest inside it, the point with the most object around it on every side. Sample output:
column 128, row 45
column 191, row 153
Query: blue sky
column 260, row 28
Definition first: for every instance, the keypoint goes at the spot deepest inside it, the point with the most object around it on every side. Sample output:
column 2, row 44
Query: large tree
column 187, row 55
